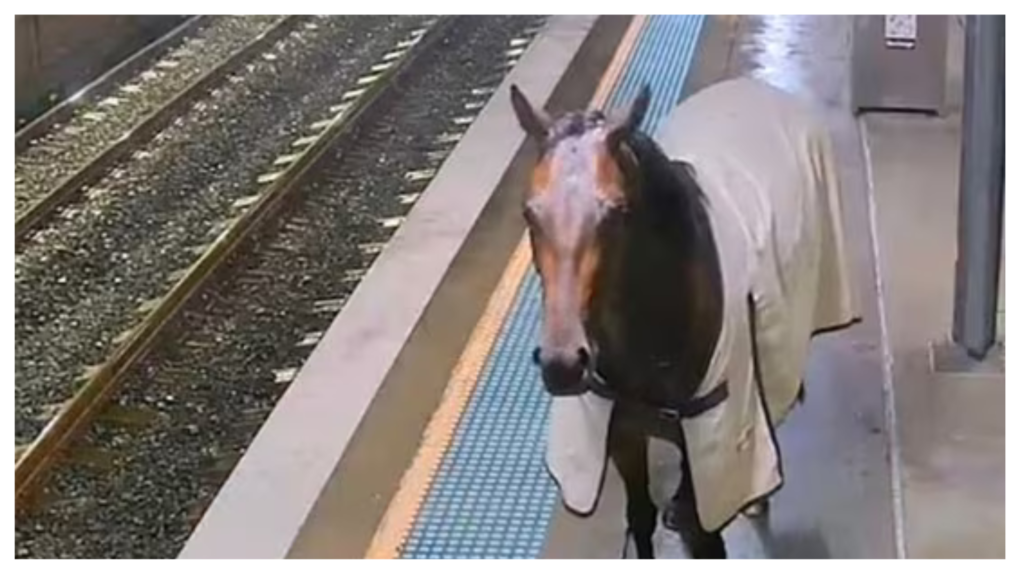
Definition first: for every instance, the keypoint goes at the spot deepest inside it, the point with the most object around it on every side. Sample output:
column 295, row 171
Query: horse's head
column 580, row 190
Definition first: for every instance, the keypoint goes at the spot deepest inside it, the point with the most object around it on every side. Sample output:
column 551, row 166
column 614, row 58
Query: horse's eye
column 530, row 216
column 617, row 211
column 613, row 217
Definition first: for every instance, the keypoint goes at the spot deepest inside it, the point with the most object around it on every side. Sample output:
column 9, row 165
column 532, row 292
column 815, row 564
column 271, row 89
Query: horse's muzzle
column 563, row 374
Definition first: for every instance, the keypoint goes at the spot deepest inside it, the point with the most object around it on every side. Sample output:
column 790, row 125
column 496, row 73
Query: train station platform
column 416, row 429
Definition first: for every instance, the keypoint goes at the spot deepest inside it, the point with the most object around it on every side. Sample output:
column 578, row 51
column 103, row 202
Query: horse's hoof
column 756, row 510
column 670, row 519
column 713, row 549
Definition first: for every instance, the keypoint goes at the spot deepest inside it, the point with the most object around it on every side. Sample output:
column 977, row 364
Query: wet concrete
column 837, row 500
column 951, row 414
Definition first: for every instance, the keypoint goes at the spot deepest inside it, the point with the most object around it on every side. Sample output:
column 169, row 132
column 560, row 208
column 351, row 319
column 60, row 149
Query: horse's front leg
column 683, row 518
column 627, row 445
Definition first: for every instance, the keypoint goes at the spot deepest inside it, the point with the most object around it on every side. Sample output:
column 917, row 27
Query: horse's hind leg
column 628, row 450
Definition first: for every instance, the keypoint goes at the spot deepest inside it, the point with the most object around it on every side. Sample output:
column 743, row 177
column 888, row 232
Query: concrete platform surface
column 951, row 415
column 951, row 424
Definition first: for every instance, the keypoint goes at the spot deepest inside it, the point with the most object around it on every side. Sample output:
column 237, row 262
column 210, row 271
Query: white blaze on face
column 564, row 211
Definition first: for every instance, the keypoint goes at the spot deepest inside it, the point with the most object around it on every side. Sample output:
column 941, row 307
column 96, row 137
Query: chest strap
column 691, row 408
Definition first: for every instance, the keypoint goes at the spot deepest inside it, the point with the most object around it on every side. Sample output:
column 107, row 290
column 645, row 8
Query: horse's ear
column 535, row 122
column 625, row 124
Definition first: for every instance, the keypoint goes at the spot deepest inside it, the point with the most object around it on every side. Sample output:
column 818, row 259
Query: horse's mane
column 668, row 294
column 670, row 196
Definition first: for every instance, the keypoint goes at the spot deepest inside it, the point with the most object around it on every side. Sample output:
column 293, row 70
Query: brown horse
column 632, row 296
column 683, row 281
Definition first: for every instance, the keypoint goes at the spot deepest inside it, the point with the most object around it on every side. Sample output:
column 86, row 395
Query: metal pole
column 981, row 186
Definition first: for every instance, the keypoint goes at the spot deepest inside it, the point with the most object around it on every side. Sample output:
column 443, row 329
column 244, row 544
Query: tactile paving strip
column 491, row 496
column 662, row 59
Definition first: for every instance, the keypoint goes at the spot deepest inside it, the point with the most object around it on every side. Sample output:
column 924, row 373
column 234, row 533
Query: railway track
column 83, row 282
column 226, row 349
column 115, row 115
column 85, row 286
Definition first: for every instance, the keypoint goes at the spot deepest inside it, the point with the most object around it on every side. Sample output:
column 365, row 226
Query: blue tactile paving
column 492, row 496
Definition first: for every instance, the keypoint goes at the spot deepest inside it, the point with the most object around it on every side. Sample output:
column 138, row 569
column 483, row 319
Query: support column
column 982, row 160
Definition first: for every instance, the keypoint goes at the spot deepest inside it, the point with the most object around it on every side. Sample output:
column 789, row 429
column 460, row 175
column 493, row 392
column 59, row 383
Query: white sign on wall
column 901, row 31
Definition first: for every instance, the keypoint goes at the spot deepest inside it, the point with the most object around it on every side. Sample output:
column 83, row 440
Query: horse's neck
column 668, row 295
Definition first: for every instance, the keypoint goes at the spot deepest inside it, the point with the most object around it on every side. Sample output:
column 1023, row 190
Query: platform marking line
column 888, row 362
column 404, row 508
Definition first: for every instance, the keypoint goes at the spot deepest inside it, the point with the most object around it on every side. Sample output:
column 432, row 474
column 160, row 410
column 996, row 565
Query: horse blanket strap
column 696, row 406
column 691, row 408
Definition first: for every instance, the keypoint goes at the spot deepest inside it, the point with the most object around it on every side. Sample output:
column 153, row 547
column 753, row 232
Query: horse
column 638, row 293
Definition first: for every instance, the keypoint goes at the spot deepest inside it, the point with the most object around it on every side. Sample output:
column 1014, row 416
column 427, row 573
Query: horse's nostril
column 584, row 356
column 536, row 356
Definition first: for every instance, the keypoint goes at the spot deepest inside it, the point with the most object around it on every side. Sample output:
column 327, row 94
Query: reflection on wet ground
column 804, row 55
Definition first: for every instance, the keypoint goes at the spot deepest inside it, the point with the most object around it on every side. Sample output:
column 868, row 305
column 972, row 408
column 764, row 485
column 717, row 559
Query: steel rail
column 73, row 418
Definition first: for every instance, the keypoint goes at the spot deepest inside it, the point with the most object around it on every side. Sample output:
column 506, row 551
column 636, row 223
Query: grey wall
column 60, row 54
